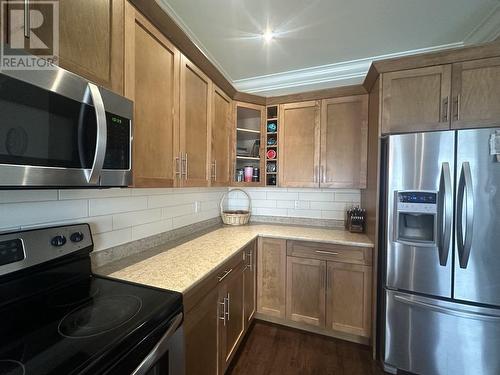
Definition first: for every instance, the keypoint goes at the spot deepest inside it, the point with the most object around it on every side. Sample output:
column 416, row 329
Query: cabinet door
column 152, row 82
column 348, row 298
column 201, row 336
column 232, row 330
column 271, row 277
column 90, row 38
column 299, row 144
column 305, row 291
column 416, row 100
column 476, row 94
column 195, row 119
column 221, row 137
column 250, row 283
column 344, row 142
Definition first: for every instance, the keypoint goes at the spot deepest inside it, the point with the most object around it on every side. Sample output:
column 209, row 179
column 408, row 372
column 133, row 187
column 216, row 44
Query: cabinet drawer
column 200, row 290
column 331, row 252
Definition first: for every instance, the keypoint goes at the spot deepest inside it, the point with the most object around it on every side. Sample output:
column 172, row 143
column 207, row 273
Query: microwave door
column 419, row 196
column 477, row 252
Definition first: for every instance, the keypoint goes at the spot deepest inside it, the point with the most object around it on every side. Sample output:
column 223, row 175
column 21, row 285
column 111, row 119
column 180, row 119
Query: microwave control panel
column 417, row 201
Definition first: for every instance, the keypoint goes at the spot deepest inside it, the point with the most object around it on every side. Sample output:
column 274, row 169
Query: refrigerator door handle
column 416, row 301
column 446, row 213
column 464, row 240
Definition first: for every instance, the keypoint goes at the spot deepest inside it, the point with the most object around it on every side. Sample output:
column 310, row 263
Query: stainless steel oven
column 59, row 130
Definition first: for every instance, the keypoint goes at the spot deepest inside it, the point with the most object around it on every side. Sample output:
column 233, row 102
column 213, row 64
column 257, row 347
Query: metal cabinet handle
column 27, row 19
column 250, row 264
column 223, row 317
column 214, row 170
column 446, row 213
column 464, row 240
column 225, row 275
column 445, row 109
column 160, row 348
column 326, row 252
column 102, row 134
column 178, row 167
column 186, row 171
column 228, row 299
column 456, row 109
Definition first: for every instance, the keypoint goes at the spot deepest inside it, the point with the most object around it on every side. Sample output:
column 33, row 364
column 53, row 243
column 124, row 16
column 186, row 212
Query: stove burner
column 78, row 295
column 99, row 316
column 11, row 367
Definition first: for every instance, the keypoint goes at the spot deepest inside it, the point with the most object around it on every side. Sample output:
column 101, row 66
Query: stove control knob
column 58, row 241
column 76, row 237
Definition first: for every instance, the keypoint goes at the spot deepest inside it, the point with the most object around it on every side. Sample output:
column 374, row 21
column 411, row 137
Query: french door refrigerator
column 441, row 253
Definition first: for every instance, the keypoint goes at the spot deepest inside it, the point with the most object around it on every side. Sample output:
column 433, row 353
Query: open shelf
column 239, row 157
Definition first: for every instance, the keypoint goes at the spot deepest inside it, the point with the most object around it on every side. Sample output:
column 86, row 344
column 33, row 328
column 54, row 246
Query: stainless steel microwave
column 59, row 130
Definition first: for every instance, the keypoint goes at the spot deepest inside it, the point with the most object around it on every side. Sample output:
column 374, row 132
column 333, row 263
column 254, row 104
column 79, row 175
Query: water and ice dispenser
column 416, row 218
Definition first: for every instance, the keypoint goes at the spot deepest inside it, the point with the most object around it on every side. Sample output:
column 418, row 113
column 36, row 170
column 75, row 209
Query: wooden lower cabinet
column 305, row 291
column 201, row 335
column 271, row 277
column 348, row 298
column 250, row 272
column 231, row 305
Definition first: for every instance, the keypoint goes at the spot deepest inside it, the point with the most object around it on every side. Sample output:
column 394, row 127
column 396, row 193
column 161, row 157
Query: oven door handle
column 101, row 137
column 160, row 348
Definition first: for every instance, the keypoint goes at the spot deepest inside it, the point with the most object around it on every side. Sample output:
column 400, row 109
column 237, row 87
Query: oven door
column 59, row 130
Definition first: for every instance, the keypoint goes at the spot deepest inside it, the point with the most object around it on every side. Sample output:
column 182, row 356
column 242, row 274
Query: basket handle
column 226, row 194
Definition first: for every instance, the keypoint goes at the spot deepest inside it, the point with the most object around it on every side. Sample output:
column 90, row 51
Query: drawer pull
column 225, row 275
column 326, row 252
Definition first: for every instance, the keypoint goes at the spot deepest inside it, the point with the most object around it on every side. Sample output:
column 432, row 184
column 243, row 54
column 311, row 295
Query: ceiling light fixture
column 268, row 36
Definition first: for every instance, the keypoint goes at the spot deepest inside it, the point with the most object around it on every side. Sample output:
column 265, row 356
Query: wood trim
column 177, row 36
column 249, row 98
column 317, row 95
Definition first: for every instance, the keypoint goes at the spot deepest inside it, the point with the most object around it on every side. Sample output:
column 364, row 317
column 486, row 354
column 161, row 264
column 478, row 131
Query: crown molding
column 332, row 75
column 488, row 30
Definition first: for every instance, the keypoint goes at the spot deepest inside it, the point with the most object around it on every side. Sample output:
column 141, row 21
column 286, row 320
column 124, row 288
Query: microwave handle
column 160, row 348
column 102, row 135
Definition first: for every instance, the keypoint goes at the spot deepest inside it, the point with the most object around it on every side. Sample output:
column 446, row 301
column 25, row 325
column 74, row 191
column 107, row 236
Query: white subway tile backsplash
column 302, row 205
column 336, row 215
column 263, row 203
column 93, row 193
column 269, row 211
column 347, row 197
column 106, row 206
column 304, row 213
column 109, row 239
column 316, row 197
column 329, row 206
column 14, row 196
column 285, row 204
column 150, row 229
column 130, row 219
column 175, row 211
column 282, row 196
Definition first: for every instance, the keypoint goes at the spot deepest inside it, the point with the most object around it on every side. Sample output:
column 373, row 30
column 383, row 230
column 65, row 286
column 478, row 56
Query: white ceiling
column 324, row 43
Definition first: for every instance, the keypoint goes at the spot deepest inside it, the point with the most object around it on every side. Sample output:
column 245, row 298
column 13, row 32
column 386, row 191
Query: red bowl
column 271, row 154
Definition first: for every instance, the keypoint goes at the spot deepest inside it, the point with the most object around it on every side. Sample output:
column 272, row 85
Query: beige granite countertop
column 181, row 267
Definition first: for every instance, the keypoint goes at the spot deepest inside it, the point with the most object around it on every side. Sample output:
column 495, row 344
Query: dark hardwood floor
column 270, row 349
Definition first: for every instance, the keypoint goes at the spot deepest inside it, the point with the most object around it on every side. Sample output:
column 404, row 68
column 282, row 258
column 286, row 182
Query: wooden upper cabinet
column 299, row 144
column 221, row 138
column 348, row 298
column 344, row 140
column 476, row 94
column 416, row 100
column 195, row 130
column 271, row 277
column 152, row 81
column 305, row 291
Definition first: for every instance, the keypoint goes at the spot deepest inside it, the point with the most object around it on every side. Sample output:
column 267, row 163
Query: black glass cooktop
column 78, row 327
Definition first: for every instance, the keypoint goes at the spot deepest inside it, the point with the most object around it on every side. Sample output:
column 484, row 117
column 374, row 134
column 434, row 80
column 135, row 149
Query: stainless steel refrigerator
column 441, row 253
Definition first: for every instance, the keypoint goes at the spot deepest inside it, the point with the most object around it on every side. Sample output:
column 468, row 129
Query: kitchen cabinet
column 152, row 82
column 249, row 141
column 91, row 38
column 201, row 336
column 231, row 313
column 476, row 94
column 250, row 271
column 348, row 298
column 344, row 141
column 305, row 291
column 416, row 100
column 299, row 144
column 195, row 120
column 221, row 137
column 271, row 277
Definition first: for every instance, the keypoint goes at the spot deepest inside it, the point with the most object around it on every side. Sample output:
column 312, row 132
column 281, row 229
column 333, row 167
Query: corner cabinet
column 299, row 144
column 416, row 100
column 152, row 82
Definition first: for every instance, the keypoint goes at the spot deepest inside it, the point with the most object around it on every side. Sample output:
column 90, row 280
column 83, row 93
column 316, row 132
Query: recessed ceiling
column 324, row 43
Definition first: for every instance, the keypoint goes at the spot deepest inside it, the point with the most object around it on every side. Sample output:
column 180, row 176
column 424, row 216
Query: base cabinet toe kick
column 317, row 287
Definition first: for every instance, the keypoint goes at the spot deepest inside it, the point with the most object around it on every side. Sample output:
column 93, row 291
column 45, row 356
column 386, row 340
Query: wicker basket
column 238, row 217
